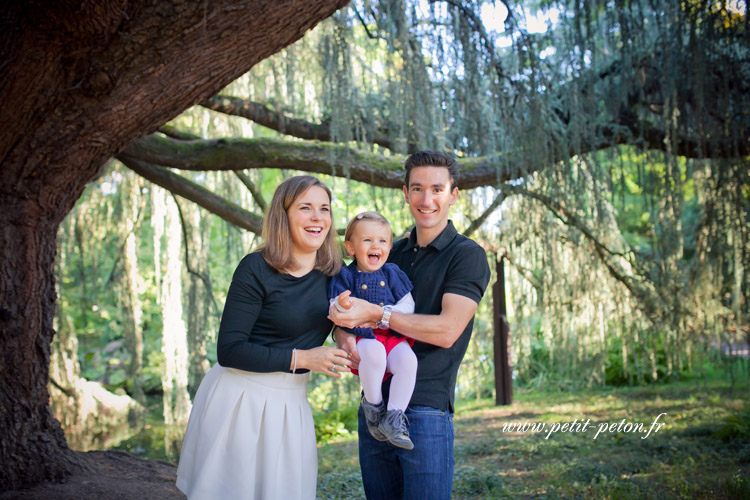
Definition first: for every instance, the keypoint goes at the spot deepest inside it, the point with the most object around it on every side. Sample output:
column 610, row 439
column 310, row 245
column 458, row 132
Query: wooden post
column 503, row 379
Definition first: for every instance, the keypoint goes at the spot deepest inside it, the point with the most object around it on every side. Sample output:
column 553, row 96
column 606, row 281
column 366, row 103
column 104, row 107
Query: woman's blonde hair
column 373, row 216
column 277, row 238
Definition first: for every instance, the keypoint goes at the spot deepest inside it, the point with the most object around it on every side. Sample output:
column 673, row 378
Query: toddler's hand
column 343, row 302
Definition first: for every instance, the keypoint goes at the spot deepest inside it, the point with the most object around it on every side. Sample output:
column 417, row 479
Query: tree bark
column 309, row 156
column 33, row 447
column 79, row 81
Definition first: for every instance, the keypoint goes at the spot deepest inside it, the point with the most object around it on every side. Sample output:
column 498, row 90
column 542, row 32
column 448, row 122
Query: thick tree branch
column 278, row 121
column 308, row 156
column 171, row 131
column 196, row 193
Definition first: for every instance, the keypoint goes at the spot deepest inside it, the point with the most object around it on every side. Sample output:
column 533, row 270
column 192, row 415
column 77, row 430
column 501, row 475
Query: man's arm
column 441, row 329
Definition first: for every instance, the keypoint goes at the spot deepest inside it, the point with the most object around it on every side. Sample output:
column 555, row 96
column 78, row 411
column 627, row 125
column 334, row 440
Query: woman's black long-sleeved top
column 268, row 313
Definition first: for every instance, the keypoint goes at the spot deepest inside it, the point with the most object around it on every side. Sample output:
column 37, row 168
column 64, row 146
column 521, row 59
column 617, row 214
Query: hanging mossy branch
column 525, row 273
column 618, row 263
column 278, row 121
column 477, row 25
column 477, row 223
column 309, row 156
column 628, row 129
column 196, row 193
column 625, row 128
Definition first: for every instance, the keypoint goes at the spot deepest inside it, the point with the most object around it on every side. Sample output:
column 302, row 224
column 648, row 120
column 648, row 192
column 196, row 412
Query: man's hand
column 361, row 314
column 347, row 343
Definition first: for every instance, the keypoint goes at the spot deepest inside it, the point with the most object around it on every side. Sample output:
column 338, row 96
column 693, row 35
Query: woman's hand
column 360, row 314
column 324, row 359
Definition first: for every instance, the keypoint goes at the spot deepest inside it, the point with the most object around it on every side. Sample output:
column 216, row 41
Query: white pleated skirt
column 250, row 437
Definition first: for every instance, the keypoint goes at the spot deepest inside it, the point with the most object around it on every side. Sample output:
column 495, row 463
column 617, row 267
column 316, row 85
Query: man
column 450, row 274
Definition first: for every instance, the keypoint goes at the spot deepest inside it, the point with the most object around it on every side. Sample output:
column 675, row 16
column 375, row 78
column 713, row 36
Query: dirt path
column 114, row 475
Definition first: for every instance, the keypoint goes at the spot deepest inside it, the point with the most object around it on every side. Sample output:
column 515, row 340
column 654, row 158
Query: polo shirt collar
column 440, row 242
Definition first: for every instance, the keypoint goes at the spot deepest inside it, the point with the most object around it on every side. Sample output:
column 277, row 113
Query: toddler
column 382, row 352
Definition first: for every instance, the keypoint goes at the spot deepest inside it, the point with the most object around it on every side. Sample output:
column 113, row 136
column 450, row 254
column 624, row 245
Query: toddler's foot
column 374, row 415
column 394, row 429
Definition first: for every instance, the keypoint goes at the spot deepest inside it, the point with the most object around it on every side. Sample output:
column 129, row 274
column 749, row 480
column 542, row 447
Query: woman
column 251, row 434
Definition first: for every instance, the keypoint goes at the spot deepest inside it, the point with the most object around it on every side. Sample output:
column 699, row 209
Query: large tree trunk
column 33, row 447
column 79, row 81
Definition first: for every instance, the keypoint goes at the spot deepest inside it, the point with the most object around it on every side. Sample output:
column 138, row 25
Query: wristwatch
column 385, row 321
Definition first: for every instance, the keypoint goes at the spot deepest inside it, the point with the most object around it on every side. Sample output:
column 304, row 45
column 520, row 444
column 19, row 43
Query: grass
column 684, row 459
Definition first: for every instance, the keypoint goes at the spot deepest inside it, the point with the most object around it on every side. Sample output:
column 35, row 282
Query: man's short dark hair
column 432, row 159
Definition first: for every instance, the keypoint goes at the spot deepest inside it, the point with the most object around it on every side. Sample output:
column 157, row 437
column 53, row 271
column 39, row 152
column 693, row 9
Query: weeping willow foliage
column 628, row 237
column 626, row 242
column 578, row 106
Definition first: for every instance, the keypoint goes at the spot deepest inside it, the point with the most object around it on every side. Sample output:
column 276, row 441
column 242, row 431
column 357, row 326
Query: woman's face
column 309, row 220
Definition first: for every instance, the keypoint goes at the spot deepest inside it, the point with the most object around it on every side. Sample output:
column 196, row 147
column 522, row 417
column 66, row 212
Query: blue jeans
column 426, row 472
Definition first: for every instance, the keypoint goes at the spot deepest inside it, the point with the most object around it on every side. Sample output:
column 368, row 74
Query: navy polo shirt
column 451, row 263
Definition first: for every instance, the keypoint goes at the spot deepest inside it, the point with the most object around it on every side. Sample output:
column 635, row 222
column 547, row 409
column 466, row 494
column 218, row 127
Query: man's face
column 429, row 196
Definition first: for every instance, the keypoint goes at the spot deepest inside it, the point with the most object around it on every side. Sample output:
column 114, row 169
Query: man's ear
column 454, row 195
column 406, row 194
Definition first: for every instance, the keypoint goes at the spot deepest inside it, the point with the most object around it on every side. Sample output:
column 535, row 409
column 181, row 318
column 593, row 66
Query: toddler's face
column 370, row 245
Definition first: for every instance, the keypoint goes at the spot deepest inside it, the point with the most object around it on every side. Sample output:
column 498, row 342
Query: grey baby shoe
column 394, row 429
column 374, row 415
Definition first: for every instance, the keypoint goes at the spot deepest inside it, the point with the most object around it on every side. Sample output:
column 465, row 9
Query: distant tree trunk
column 174, row 333
column 199, row 299
column 131, row 303
column 64, row 375
column 78, row 232
column 93, row 417
column 158, row 216
column 503, row 370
